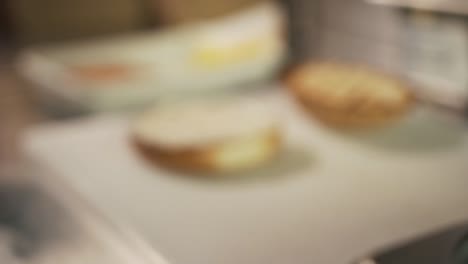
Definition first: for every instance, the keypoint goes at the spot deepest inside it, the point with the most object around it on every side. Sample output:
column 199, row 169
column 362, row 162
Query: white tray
column 331, row 198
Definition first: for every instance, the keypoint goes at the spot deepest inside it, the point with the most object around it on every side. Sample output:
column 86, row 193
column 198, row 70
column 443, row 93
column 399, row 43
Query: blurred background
column 238, row 41
column 70, row 68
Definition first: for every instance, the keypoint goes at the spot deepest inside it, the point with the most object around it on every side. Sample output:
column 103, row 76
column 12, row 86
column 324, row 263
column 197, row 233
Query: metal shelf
column 459, row 7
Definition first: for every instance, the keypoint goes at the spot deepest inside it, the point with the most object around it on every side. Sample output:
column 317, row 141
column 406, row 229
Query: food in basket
column 346, row 95
column 209, row 136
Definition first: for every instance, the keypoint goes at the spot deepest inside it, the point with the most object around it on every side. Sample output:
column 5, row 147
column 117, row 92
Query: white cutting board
column 331, row 198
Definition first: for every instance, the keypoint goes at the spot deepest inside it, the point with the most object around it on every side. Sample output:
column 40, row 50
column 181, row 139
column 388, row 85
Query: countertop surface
column 330, row 198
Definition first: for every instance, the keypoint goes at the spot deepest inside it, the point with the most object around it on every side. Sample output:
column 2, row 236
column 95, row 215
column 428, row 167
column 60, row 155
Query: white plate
column 210, row 56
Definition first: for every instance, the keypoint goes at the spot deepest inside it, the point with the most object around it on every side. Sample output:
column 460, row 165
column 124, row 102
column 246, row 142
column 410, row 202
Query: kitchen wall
column 56, row 20
column 50, row 20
